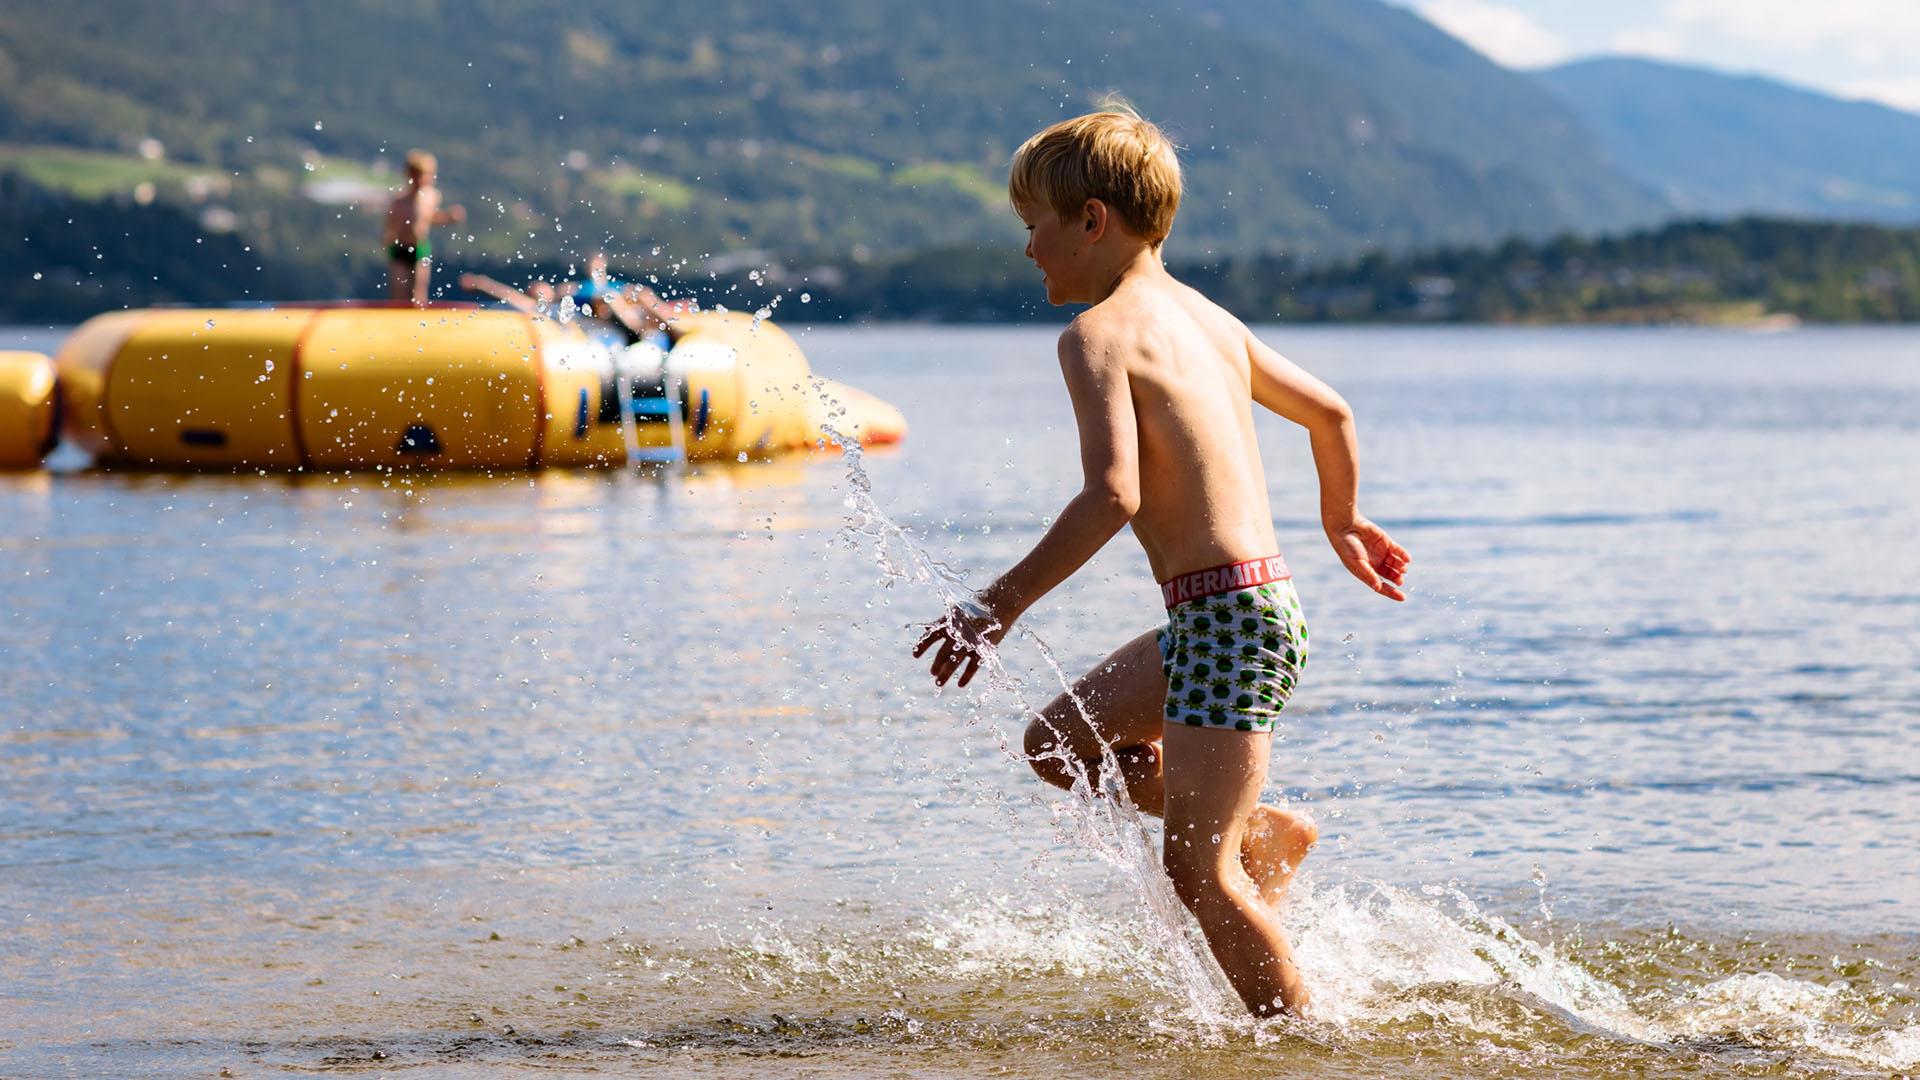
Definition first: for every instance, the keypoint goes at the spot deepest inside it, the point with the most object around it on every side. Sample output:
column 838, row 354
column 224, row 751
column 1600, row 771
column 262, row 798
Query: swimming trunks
column 1234, row 645
column 409, row 253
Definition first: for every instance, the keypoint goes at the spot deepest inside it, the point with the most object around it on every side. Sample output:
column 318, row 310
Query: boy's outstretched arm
column 1368, row 552
column 1109, row 496
column 500, row 291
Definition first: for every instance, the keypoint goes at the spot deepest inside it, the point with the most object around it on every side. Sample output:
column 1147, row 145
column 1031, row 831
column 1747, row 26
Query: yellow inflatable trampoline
column 29, row 409
column 446, row 387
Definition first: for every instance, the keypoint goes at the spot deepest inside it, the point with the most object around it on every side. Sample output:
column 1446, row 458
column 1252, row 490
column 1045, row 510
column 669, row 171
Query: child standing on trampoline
column 411, row 216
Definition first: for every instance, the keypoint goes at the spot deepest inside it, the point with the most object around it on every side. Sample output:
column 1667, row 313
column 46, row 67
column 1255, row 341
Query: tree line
column 70, row 258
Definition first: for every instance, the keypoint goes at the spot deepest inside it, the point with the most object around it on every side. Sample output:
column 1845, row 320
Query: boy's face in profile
column 1055, row 247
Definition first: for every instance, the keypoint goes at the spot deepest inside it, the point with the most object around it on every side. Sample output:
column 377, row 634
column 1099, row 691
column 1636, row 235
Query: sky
column 1850, row 48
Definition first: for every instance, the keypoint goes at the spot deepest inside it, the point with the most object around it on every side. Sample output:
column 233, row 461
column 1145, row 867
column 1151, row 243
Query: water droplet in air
column 806, row 298
column 316, row 125
column 1216, row 839
column 209, row 324
column 269, row 365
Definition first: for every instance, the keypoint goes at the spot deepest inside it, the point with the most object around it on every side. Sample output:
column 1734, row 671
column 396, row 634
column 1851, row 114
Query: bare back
column 1203, row 490
column 410, row 214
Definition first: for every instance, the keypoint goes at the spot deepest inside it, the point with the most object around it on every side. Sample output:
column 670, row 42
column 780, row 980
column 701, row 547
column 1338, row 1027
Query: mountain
column 1719, row 144
column 1316, row 127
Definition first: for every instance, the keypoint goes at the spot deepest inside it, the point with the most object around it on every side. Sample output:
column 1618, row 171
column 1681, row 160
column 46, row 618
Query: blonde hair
column 420, row 163
column 1113, row 155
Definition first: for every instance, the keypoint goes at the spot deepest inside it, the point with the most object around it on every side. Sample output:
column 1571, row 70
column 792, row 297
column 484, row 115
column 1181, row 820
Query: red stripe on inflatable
column 296, row 374
column 106, row 392
column 539, row 396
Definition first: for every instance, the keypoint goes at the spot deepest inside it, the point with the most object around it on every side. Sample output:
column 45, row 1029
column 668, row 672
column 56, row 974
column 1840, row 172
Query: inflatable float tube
column 29, row 409
column 442, row 387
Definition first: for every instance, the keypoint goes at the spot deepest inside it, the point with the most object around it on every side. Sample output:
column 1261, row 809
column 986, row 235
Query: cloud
column 1659, row 42
column 1505, row 34
column 1870, row 32
column 1856, row 48
column 1899, row 92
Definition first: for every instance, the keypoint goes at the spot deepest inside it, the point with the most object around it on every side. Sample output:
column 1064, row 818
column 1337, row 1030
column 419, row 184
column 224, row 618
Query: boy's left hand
column 1372, row 556
column 965, row 634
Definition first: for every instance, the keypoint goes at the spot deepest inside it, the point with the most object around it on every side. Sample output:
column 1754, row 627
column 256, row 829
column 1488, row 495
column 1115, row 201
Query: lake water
column 614, row 773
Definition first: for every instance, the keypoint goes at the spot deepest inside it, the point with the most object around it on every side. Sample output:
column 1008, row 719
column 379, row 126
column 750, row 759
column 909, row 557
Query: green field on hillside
column 93, row 174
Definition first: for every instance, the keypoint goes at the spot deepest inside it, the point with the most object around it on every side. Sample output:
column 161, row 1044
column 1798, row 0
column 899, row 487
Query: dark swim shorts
column 409, row 253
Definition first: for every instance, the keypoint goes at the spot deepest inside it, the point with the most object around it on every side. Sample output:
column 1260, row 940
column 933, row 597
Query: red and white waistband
column 1224, row 579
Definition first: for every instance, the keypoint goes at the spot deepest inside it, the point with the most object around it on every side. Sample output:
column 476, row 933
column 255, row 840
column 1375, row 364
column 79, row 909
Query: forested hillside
column 1720, row 144
column 1315, row 127
column 93, row 255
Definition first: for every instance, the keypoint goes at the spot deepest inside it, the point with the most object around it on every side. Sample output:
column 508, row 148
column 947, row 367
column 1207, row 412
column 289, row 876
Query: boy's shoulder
column 1147, row 315
column 1091, row 336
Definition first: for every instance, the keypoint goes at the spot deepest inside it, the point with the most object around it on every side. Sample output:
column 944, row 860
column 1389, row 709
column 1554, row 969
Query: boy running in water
column 411, row 215
column 1163, row 384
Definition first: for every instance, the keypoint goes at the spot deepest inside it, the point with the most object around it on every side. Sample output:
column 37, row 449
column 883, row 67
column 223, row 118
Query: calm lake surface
column 615, row 773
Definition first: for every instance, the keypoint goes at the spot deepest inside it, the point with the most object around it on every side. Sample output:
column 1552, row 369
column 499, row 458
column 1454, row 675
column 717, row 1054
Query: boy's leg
column 399, row 280
column 1125, row 699
column 422, row 271
column 1212, row 782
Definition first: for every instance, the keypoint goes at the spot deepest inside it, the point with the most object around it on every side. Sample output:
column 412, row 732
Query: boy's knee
column 1198, row 870
column 1041, row 740
column 1043, row 748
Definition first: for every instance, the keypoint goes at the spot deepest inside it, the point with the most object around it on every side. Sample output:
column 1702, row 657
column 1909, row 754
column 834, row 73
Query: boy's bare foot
column 1276, row 842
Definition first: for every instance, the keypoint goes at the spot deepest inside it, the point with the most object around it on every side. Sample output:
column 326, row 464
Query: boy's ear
column 1093, row 220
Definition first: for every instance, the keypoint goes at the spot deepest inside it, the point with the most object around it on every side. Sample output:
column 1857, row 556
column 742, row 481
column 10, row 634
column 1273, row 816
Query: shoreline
column 14, row 327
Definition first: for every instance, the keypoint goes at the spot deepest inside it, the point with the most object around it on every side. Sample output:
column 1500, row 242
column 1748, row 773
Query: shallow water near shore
column 620, row 773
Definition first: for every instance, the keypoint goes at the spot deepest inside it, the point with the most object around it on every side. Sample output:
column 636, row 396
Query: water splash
column 1384, row 961
column 1098, row 816
column 1766, row 1010
column 1377, row 954
column 1370, row 945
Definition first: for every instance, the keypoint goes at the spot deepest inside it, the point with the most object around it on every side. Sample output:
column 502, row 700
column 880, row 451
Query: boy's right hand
column 967, row 632
column 1371, row 555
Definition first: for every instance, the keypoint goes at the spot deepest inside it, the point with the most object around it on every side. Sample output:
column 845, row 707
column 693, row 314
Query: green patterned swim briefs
column 1232, row 659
